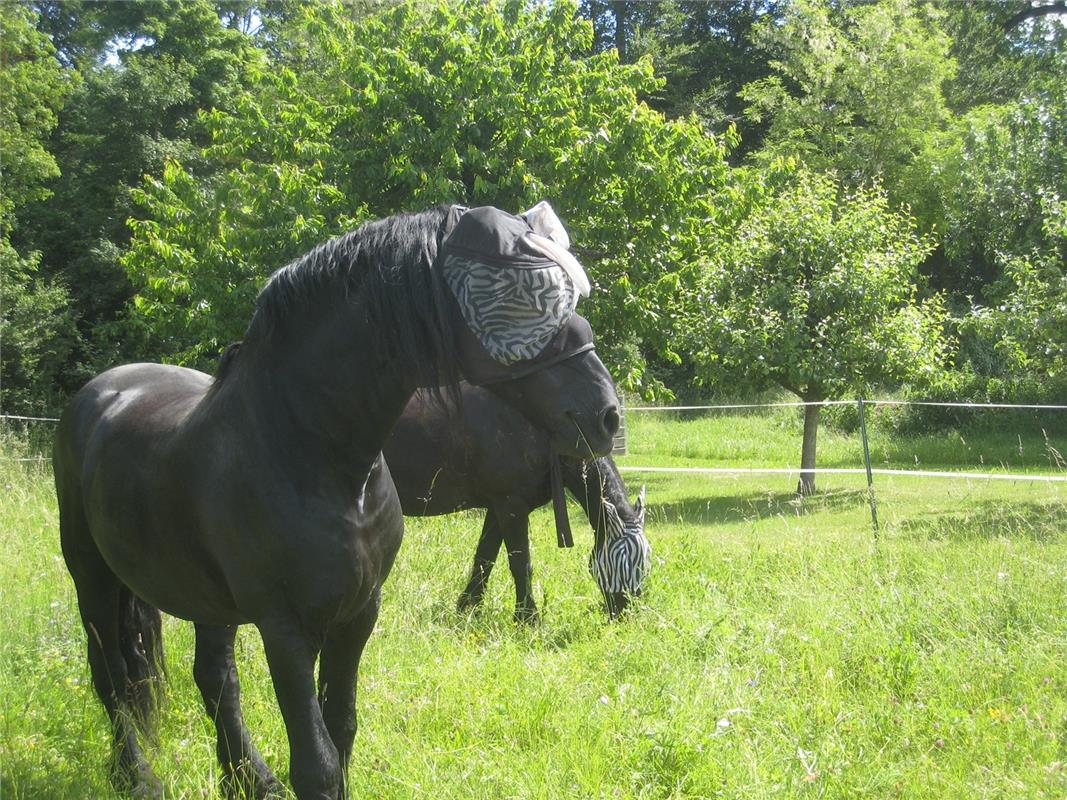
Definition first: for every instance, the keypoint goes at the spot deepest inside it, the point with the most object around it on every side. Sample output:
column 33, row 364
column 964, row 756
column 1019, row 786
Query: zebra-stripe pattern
column 514, row 311
column 622, row 562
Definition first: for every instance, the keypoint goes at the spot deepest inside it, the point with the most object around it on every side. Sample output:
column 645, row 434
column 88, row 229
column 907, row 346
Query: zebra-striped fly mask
column 513, row 278
column 621, row 561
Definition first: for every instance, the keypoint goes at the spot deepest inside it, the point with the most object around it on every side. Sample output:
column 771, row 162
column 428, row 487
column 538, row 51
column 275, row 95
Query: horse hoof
column 139, row 783
column 250, row 782
column 468, row 602
column 269, row 790
column 528, row 616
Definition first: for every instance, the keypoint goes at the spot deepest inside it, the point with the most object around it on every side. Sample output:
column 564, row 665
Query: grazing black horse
column 482, row 454
column 261, row 496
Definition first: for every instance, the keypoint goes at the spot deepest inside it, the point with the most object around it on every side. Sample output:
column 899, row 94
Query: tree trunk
column 806, row 485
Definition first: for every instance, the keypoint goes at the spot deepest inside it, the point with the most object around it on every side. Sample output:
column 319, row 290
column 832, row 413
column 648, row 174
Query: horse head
column 621, row 559
column 517, row 332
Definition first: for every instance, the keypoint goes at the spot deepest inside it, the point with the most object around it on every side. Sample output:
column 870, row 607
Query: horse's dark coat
column 262, row 497
column 480, row 453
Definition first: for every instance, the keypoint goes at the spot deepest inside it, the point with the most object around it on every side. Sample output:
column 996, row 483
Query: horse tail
column 141, row 643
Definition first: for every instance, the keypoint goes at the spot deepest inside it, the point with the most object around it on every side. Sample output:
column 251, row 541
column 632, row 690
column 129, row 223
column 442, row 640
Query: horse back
column 135, row 408
column 122, row 463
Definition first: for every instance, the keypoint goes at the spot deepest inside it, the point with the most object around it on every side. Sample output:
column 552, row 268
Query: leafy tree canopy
column 476, row 103
column 36, row 328
column 33, row 88
column 144, row 70
column 996, row 171
column 816, row 292
column 1001, row 61
column 856, row 89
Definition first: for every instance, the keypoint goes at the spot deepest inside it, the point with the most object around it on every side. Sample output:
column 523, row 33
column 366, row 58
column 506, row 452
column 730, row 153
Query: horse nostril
column 610, row 420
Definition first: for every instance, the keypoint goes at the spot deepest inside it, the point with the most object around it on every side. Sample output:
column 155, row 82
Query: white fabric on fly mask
column 543, row 221
column 563, row 257
column 551, row 238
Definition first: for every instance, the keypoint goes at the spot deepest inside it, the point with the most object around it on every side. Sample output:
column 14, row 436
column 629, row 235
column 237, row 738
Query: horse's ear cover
column 515, row 288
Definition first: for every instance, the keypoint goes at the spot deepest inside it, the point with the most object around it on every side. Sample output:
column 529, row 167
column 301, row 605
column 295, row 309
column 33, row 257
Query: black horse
column 482, row 454
column 261, row 496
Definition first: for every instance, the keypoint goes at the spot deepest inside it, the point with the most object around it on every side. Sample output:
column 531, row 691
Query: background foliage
column 160, row 159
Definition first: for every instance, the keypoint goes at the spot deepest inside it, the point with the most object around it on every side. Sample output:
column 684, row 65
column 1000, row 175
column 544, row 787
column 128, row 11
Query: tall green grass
column 780, row 650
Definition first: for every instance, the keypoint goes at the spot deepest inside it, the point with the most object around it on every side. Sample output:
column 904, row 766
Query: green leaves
column 32, row 90
column 815, row 292
column 994, row 175
column 856, row 91
column 418, row 104
column 37, row 331
column 38, row 334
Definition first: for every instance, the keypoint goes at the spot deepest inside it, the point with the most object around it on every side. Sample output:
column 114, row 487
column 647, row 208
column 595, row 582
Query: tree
column 33, row 89
column 816, row 292
column 617, row 23
column 1020, row 338
column 143, row 71
column 1001, row 61
column 36, row 332
column 1033, row 11
column 704, row 52
column 856, row 89
column 477, row 103
column 994, row 170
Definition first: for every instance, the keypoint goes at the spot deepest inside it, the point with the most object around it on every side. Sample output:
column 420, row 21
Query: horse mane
column 229, row 355
column 578, row 473
column 386, row 263
column 615, row 489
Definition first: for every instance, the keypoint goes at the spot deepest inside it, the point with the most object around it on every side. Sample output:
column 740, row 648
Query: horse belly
column 152, row 545
column 429, row 495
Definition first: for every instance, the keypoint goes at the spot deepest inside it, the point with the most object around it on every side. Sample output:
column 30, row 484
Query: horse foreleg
column 515, row 526
column 338, row 668
column 244, row 772
column 314, row 765
column 484, row 558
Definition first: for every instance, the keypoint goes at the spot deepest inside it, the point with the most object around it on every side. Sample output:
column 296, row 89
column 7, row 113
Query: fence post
column 618, row 443
column 867, row 463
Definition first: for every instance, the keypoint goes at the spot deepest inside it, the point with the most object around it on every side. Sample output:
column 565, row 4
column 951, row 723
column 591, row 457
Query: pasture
column 780, row 650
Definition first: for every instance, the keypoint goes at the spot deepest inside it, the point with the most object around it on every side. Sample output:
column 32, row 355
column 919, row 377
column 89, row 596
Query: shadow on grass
column 753, row 506
column 1039, row 522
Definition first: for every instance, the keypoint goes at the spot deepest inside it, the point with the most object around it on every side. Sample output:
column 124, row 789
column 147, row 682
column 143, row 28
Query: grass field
column 779, row 651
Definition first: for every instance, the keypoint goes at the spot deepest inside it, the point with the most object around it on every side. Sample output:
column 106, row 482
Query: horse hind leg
column 124, row 644
column 484, row 556
column 244, row 772
column 514, row 525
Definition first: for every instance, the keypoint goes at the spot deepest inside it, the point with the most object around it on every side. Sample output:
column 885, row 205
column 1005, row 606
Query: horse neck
column 595, row 483
column 327, row 398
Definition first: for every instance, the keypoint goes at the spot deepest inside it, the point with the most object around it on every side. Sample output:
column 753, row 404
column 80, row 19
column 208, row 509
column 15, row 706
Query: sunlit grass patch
column 780, row 650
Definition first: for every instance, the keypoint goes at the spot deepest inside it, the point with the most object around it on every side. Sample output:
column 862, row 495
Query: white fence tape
column 962, row 405
column 803, row 403
column 736, row 406
column 782, row 470
column 996, row 476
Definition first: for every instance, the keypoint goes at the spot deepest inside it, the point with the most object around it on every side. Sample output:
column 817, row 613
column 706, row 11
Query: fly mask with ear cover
column 515, row 289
